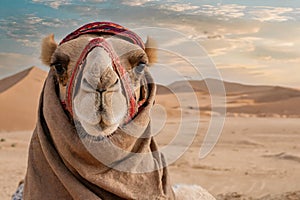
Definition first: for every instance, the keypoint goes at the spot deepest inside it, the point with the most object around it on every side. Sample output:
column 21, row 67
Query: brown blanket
column 63, row 165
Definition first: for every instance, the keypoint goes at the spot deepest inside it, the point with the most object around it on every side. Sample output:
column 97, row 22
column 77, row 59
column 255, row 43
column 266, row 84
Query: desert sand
column 19, row 97
column 257, row 155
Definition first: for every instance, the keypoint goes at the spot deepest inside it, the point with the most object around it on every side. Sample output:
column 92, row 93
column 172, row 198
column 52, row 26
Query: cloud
column 29, row 29
column 220, row 11
column 232, row 11
column 274, row 49
column 264, row 14
column 260, row 60
column 247, row 45
column 53, row 3
column 136, row 2
column 224, row 12
column 239, row 45
column 268, row 53
column 179, row 7
column 93, row 1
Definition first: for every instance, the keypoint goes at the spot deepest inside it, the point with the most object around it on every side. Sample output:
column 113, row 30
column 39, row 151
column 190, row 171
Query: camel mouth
column 94, row 132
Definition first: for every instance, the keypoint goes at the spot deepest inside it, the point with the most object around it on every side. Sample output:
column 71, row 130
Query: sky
column 247, row 41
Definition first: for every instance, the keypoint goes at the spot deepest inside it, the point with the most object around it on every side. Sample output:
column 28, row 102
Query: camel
column 101, row 76
column 102, row 81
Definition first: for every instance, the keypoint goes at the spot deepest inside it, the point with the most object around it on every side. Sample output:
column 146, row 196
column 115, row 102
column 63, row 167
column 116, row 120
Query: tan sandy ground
column 13, row 161
column 254, row 156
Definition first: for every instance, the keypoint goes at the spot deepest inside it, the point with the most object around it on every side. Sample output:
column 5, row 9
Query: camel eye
column 60, row 63
column 58, row 68
column 140, row 68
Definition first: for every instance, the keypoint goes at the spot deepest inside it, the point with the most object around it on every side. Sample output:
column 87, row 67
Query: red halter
column 104, row 28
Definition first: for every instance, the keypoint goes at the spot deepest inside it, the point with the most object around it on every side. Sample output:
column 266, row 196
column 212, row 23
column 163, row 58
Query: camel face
column 100, row 102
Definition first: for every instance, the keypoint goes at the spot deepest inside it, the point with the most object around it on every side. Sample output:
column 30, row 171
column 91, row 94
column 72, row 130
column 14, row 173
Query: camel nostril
column 100, row 90
column 116, row 82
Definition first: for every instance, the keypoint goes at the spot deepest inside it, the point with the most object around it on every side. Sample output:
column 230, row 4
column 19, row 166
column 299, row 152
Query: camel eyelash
column 135, row 60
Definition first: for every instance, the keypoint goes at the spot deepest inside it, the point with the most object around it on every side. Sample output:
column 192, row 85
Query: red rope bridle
column 104, row 28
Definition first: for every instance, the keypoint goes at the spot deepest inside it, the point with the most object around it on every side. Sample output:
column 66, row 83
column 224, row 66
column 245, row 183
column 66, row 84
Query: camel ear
column 151, row 50
column 48, row 48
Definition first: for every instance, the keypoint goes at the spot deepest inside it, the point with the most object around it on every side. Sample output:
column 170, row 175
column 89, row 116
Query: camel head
column 99, row 101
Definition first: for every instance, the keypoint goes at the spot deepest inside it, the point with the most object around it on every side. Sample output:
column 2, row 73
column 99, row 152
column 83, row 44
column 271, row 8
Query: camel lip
column 102, row 131
column 103, row 125
column 107, row 130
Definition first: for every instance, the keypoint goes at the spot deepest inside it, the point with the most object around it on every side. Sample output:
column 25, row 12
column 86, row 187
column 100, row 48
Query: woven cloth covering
column 61, row 167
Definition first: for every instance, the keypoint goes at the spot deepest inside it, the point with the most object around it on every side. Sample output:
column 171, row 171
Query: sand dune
column 242, row 100
column 19, row 96
column 288, row 107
